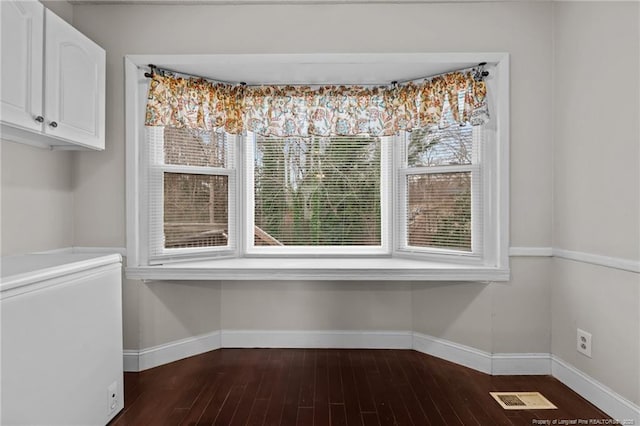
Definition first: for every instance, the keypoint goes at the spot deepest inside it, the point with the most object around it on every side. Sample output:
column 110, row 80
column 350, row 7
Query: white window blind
column 318, row 192
column 191, row 184
column 440, row 200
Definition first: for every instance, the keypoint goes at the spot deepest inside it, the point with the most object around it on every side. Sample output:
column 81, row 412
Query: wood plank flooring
column 333, row 387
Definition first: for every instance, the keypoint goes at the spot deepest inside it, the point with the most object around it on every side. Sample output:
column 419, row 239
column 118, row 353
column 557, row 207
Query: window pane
column 439, row 210
column 317, row 191
column 440, row 147
column 195, row 210
column 187, row 147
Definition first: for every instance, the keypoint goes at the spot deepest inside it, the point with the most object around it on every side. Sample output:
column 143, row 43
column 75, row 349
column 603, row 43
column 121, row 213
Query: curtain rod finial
column 480, row 73
column 152, row 68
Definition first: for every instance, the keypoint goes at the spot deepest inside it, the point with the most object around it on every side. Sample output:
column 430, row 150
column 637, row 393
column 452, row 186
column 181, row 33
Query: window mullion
column 248, row 188
column 387, row 185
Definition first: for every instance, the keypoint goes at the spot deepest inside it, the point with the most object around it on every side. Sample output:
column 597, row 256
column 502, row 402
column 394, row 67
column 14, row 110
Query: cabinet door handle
column 39, row 119
column 53, row 124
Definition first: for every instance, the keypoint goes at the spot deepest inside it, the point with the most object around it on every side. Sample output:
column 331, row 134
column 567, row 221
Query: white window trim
column 448, row 267
column 483, row 247
column 384, row 249
column 156, row 170
column 402, row 173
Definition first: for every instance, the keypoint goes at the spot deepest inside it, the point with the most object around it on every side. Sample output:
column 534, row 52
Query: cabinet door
column 21, row 26
column 74, row 85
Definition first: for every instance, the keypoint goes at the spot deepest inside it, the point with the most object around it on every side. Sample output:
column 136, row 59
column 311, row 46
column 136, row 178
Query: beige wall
column 458, row 312
column 597, row 188
column 574, row 154
column 511, row 317
column 316, row 305
column 36, row 190
column 170, row 311
column 521, row 313
column 37, row 199
column 596, row 103
column 62, row 8
column 522, row 29
column 603, row 302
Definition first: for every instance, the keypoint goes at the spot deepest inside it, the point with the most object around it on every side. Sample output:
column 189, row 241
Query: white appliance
column 61, row 338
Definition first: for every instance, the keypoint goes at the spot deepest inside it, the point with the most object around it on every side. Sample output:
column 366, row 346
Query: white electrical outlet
column 584, row 343
column 112, row 397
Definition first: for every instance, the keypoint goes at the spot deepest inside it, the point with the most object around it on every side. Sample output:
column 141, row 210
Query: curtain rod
column 479, row 74
column 162, row 70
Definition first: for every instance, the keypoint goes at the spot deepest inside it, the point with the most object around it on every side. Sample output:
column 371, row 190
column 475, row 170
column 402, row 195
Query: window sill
column 374, row 269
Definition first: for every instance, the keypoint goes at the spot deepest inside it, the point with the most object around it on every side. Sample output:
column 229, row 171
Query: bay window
column 424, row 201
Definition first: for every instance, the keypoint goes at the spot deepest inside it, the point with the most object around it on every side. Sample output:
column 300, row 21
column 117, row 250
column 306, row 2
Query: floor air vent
column 522, row 401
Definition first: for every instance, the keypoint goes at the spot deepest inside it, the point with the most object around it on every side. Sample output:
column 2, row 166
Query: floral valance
column 325, row 111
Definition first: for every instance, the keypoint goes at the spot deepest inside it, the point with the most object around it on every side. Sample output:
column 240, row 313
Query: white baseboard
column 496, row 364
column 173, row 351
column 170, row 352
column 130, row 361
column 616, row 406
column 534, row 364
column 316, row 339
column 499, row 364
column 454, row 352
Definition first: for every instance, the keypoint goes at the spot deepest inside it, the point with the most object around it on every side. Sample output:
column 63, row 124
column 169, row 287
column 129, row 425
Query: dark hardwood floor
column 333, row 387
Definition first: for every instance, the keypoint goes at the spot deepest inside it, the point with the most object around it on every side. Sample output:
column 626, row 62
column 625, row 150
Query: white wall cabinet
column 22, row 63
column 53, row 80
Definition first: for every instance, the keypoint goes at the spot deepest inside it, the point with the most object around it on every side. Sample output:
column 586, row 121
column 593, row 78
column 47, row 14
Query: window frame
column 397, row 264
column 384, row 249
column 156, row 170
column 481, row 165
